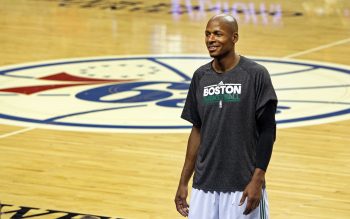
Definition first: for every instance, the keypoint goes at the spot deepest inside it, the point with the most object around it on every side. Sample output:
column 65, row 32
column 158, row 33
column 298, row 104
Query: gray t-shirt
column 225, row 106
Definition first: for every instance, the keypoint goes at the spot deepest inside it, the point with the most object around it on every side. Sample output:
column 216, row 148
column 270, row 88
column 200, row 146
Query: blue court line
column 311, row 101
column 323, row 66
column 181, row 74
column 341, row 70
column 321, row 116
column 91, row 111
column 301, row 119
column 294, row 72
column 17, row 118
column 20, row 76
column 317, row 87
column 155, row 59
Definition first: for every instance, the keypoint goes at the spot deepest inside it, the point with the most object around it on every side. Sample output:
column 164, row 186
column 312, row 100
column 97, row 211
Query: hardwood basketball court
column 135, row 175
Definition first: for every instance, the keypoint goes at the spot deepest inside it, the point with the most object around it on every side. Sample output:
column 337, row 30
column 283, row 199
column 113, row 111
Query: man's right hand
column 187, row 171
column 180, row 200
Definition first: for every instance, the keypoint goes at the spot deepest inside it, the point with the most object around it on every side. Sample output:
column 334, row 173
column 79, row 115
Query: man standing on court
column 231, row 103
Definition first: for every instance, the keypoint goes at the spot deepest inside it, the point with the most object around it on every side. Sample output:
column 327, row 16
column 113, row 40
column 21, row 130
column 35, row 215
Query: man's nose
column 211, row 38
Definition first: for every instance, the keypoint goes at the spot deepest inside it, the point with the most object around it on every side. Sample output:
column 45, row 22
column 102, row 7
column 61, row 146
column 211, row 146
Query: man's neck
column 224, row 64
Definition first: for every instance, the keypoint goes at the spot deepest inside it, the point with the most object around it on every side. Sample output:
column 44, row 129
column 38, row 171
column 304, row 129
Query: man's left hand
column 253, row 191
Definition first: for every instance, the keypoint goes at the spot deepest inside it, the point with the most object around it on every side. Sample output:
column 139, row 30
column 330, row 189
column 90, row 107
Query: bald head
column 227, row 20
column 221, row 35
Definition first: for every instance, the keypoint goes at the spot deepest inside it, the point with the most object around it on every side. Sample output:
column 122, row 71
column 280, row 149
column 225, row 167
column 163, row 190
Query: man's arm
column 187, row 171
column 267, row 133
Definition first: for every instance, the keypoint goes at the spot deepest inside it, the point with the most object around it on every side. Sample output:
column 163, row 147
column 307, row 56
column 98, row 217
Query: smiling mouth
column 212, row 48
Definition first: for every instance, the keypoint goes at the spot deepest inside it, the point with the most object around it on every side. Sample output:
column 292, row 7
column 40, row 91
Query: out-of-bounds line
column 16, row 132
column 318, row 48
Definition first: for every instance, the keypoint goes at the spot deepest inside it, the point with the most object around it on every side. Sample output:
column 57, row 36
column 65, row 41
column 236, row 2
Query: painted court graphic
column 147, row 93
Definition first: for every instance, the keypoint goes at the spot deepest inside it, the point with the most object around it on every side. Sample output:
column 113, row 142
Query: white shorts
column 224, row 205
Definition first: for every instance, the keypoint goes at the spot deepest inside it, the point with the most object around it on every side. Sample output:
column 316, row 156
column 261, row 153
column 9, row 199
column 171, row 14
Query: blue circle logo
column 147, row 93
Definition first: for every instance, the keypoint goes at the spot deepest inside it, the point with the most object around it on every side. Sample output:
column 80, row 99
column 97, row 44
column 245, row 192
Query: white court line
column 16, row 132
column 318, row 48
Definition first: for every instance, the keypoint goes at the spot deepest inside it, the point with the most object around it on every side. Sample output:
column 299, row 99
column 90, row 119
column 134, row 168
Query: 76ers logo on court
column 147, row 93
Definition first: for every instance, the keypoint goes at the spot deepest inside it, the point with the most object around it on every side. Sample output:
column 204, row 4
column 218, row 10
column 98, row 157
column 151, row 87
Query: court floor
column 68, row 149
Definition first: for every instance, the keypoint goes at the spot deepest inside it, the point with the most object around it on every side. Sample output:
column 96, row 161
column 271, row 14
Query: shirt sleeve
column 264, row 91
column 267, row 134
column 190, row 110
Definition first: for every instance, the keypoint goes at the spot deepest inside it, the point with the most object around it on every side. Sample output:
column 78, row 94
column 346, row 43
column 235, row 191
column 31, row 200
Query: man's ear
column 235, row 37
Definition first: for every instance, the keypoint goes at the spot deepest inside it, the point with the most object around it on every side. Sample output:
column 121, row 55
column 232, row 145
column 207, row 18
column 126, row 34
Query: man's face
column 218, row 38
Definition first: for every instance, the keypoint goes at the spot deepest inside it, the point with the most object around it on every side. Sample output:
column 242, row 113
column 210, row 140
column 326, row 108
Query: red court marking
column 63, row 76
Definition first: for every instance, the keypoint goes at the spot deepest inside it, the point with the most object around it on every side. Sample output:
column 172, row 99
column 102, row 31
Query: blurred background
column 105, row 166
